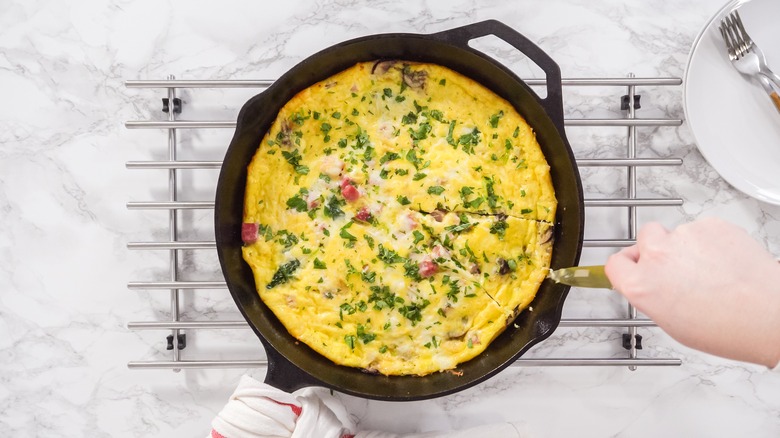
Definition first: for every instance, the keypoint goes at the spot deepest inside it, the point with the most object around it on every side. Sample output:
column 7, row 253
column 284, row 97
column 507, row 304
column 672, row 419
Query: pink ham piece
column 428, row 268
column 364, row 215
column 348, row 191
column 249, row 232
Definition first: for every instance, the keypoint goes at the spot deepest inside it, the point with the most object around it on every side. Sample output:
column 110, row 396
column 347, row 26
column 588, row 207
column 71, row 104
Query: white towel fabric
column 258, row 410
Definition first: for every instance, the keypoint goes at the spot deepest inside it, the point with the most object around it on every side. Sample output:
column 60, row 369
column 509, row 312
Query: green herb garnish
column 495, row 118
column 435, row 190
column 389, row 256
column 283, row 274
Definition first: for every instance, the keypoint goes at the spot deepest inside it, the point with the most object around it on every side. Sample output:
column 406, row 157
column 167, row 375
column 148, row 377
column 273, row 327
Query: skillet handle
column 553, row 103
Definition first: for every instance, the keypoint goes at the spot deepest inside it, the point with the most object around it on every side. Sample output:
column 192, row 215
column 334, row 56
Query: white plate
column 736, row 126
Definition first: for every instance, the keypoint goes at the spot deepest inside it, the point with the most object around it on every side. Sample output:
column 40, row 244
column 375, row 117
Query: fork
column 746, row 57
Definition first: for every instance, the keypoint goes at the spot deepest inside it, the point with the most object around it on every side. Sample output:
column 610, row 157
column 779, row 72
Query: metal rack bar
column 585, row 162
column 261, row 83
column 522, row 362
column 150, row 285
column 173, row 164
column 631, row 189
column 230, row 325
column 210, row 244
column 613, row 202
column 172, row 245
column 176, row 285
column 213, row 124
column 173, row 226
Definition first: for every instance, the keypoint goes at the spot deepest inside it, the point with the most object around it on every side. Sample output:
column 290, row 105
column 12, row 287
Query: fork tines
column 737, row 39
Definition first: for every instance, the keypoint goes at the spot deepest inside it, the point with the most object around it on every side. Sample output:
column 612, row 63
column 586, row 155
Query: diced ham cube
column 428, row 268
column 363, row 215
column 350, row 193
column 249, row 232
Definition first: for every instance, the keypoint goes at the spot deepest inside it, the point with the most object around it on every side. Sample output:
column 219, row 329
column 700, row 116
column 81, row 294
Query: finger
column 651, row 234
column 621, row 266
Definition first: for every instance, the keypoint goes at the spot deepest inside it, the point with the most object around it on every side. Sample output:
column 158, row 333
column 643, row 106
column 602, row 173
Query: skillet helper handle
column 282, row 374
column 553, row 103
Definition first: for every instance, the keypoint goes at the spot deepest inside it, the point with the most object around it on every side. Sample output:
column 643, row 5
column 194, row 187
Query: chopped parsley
column 298, row 202
column 411, row 157
column 298, row 118
column 368, row 154
column 468, row 141
column 465, row 192
column 283, row 274
column 499, row 228
column 422, row 131
column 294, row 158
column 435, row 190
column 411, row 270
column 409, row 119
column 452, row 294
column 333, row 207
column 368, row 276
column 492, row 199
column 389, row 156
column 450, row 140
column 413, row 312
column 364, row 335
column 350, row 340
column 436, row 115
column 495, row 118
column 287, row 238
column 319, row 264
column 325, row 128
column 463, row 226
column 403, row 200
column 344, row 234
column 389, row 256
column 383, row 298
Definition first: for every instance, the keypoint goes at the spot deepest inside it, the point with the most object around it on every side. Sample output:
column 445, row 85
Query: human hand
column 708, row 284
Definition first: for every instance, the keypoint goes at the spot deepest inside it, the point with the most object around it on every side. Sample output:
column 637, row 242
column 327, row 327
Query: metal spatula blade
column 581, row 276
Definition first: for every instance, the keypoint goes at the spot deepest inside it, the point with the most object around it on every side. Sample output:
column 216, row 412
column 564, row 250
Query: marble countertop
column 64, row 185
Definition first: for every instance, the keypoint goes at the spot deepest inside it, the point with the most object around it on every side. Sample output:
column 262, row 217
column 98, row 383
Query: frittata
column 397, row 217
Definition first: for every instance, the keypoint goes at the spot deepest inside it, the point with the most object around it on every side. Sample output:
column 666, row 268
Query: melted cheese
column 458, row 238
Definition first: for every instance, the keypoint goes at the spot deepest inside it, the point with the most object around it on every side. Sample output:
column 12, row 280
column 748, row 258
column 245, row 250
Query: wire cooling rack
column 177, row 327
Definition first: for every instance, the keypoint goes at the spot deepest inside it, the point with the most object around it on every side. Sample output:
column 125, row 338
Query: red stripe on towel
column 295, row 408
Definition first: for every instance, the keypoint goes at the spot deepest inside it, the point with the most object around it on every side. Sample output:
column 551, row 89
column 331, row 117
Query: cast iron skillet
column 293, row 365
